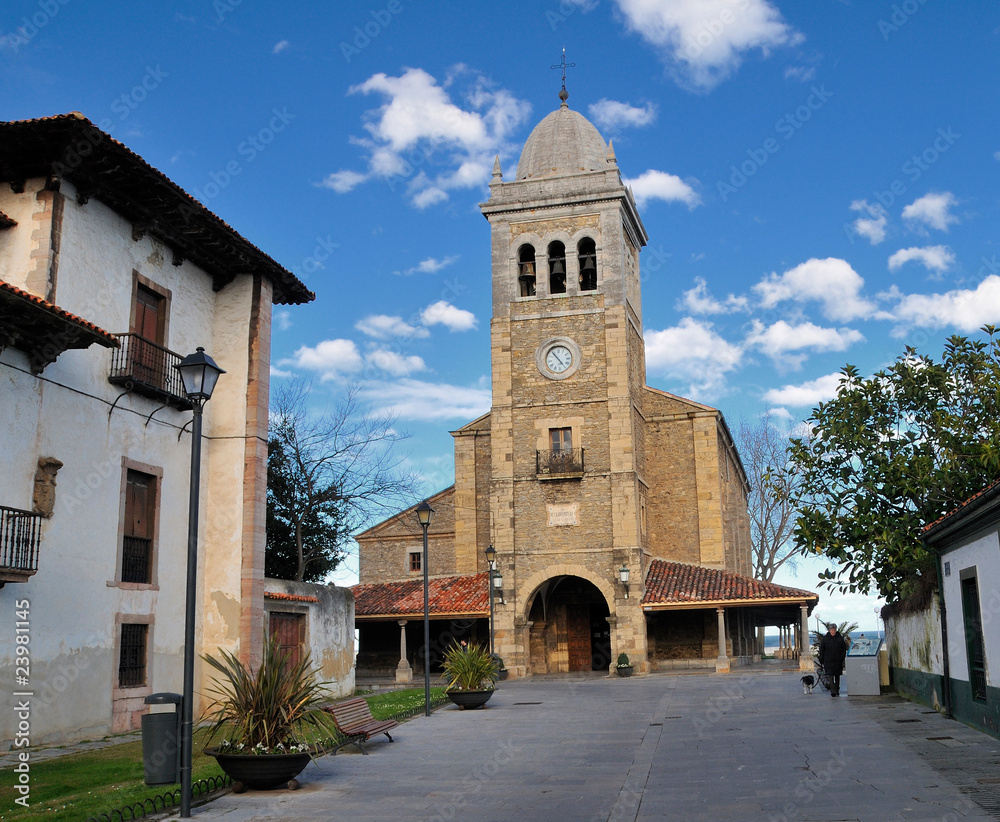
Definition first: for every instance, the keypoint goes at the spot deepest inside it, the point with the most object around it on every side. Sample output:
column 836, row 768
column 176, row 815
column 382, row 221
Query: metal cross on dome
column 563, row 95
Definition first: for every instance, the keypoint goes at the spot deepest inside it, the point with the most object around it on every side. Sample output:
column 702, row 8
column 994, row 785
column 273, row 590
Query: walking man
column 832, row 652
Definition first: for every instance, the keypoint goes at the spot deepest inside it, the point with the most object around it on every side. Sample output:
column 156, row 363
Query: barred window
column 132, row 659
column 137, row 541
column 416, row 559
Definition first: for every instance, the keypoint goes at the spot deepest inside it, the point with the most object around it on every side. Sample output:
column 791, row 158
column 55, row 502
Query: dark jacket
column 832, row 652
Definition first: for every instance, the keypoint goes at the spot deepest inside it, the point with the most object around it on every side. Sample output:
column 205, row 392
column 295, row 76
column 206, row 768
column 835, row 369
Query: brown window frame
column 416, row 561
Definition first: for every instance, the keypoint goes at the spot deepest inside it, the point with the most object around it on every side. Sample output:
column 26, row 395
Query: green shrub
column 469, row 668
column 623, row 661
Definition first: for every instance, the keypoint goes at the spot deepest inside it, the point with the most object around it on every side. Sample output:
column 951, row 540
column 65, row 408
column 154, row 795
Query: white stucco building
column 109, row 273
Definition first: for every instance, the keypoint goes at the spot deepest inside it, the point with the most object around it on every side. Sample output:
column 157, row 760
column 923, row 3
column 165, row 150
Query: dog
column 808, row 683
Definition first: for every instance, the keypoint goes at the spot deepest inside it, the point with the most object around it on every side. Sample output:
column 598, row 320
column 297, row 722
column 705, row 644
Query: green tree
column 892, row 453
column 329, row 474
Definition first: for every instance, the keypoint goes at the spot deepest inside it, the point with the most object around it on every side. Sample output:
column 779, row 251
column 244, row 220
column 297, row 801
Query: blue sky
column 819, row 180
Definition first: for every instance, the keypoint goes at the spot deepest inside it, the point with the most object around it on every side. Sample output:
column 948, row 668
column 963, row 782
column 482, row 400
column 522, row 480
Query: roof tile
column 678, row 582
column 447, row 595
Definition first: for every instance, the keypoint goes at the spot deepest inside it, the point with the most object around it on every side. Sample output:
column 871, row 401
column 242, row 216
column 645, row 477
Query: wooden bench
column 354, row 720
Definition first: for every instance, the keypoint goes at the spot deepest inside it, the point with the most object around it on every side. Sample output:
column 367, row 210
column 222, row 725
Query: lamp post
column 199, row 373
column 623, row 575
column 491, row 564
column 424, row 512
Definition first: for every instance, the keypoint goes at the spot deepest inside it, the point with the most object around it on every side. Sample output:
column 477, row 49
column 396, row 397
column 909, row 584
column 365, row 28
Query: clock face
column 558, row 359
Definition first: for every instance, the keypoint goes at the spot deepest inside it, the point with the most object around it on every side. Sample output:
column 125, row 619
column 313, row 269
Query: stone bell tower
column 567, row 485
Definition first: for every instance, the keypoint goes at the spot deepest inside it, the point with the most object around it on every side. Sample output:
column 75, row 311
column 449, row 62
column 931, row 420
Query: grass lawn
column 81, row 785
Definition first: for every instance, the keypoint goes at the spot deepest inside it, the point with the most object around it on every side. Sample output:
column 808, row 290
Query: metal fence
column 20, row 537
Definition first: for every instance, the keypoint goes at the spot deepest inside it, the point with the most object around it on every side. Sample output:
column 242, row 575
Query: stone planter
column 624, row 670
column 470, row 699
column 261, row 772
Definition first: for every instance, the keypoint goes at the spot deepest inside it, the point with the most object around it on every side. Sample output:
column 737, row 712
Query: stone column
column 805, row 657
column 722, row 663
column 404, row 673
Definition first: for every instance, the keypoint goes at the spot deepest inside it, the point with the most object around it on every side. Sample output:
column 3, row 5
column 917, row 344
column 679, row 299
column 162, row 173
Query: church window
column 526, row 270
column 557, row 268
column 587, row 251
column 562, row 440
column 416, row 561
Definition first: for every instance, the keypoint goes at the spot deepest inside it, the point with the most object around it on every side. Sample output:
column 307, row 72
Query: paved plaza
column 688, row 748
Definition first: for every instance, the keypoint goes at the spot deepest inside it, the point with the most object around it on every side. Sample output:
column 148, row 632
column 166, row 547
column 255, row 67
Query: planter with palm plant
column 263, row 715
column 471, row 673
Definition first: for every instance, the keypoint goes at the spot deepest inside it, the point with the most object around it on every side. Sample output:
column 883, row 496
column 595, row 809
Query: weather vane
column 563, row 95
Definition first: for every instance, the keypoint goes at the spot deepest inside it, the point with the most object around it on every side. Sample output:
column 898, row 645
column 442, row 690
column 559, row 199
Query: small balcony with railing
column 146, row 368
column 559, row 464
column 20, row 540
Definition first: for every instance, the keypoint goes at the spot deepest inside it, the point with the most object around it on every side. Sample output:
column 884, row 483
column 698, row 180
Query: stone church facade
column 580, row 470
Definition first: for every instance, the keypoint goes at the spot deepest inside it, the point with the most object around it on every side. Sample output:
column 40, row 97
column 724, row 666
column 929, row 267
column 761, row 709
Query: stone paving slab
column 673, row 747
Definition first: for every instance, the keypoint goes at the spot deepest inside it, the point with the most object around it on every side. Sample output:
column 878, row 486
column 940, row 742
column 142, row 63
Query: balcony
column 559, row 465
column 146, row 368
column 20, row 538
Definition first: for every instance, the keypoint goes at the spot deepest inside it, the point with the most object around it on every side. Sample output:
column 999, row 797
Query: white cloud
column 658, row 185
column 280, row 46
column 777, row 341
column 330, row 359
column 932, row 209
column 697, row 300
column 382, row 327
column 873, row 228
column 411, row 399
column 454, row 141
column 692, row 351
column 392, row 362
column 343, row 181
column 965, row 309
column 430, row 266
column 612, row 115
column 831, row 282
column 806, row 394
column 278, row 372
column 703, row 40
column 282, row 319
column 934, row 258
column 800, row 73
column 444, row 313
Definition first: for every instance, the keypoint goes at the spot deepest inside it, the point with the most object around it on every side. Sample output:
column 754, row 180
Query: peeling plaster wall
column 76, row 605
column 329, row 627
column 915, row 640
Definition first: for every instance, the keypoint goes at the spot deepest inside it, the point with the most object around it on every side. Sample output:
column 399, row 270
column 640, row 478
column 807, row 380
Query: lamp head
column 623, row 574
column 424, row 513
column 199, row 373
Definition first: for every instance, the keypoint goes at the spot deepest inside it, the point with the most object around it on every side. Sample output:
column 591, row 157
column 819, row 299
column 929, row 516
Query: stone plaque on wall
column 564, row 513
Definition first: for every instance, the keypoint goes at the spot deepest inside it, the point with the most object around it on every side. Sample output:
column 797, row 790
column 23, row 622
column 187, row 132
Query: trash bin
column 861, row 669
column 161, row 740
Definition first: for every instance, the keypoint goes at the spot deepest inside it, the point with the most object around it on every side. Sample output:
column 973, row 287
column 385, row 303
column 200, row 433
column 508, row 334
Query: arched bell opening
column 587, row 253
column 557, row 268
column 569, row 629
column 526, row 270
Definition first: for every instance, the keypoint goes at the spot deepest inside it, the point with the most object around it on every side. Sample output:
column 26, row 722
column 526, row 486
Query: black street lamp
column 199, row 373
column 424, row 513
column 623, row 575
column 491, row 565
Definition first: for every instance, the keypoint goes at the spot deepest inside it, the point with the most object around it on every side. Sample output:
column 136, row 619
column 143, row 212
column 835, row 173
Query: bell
column 527, row 271
column 588, row 263
column 558, row 267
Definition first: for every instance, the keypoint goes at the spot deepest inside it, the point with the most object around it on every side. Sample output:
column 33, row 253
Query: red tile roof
column 974, row 498
column 677, row 583
column 103, row 337
column 467, row 595
column 289, row 597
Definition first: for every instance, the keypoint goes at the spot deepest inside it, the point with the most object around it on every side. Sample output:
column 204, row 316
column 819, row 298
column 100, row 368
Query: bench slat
column 354, row 720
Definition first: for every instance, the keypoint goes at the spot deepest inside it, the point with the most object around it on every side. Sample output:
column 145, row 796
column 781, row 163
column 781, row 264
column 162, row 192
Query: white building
column 109, row 273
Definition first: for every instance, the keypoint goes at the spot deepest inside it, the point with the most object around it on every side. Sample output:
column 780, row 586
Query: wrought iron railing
column 147, row 368
column 561, row 463
column 136, row 553
column 20, row 538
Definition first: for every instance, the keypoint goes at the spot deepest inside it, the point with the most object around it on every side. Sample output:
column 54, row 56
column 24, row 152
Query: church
column 610, row 516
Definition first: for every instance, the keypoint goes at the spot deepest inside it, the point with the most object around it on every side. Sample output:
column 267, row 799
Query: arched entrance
column 568, row 627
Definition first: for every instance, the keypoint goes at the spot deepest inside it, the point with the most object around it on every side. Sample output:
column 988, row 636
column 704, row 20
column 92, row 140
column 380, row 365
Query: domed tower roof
column 565, row 142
